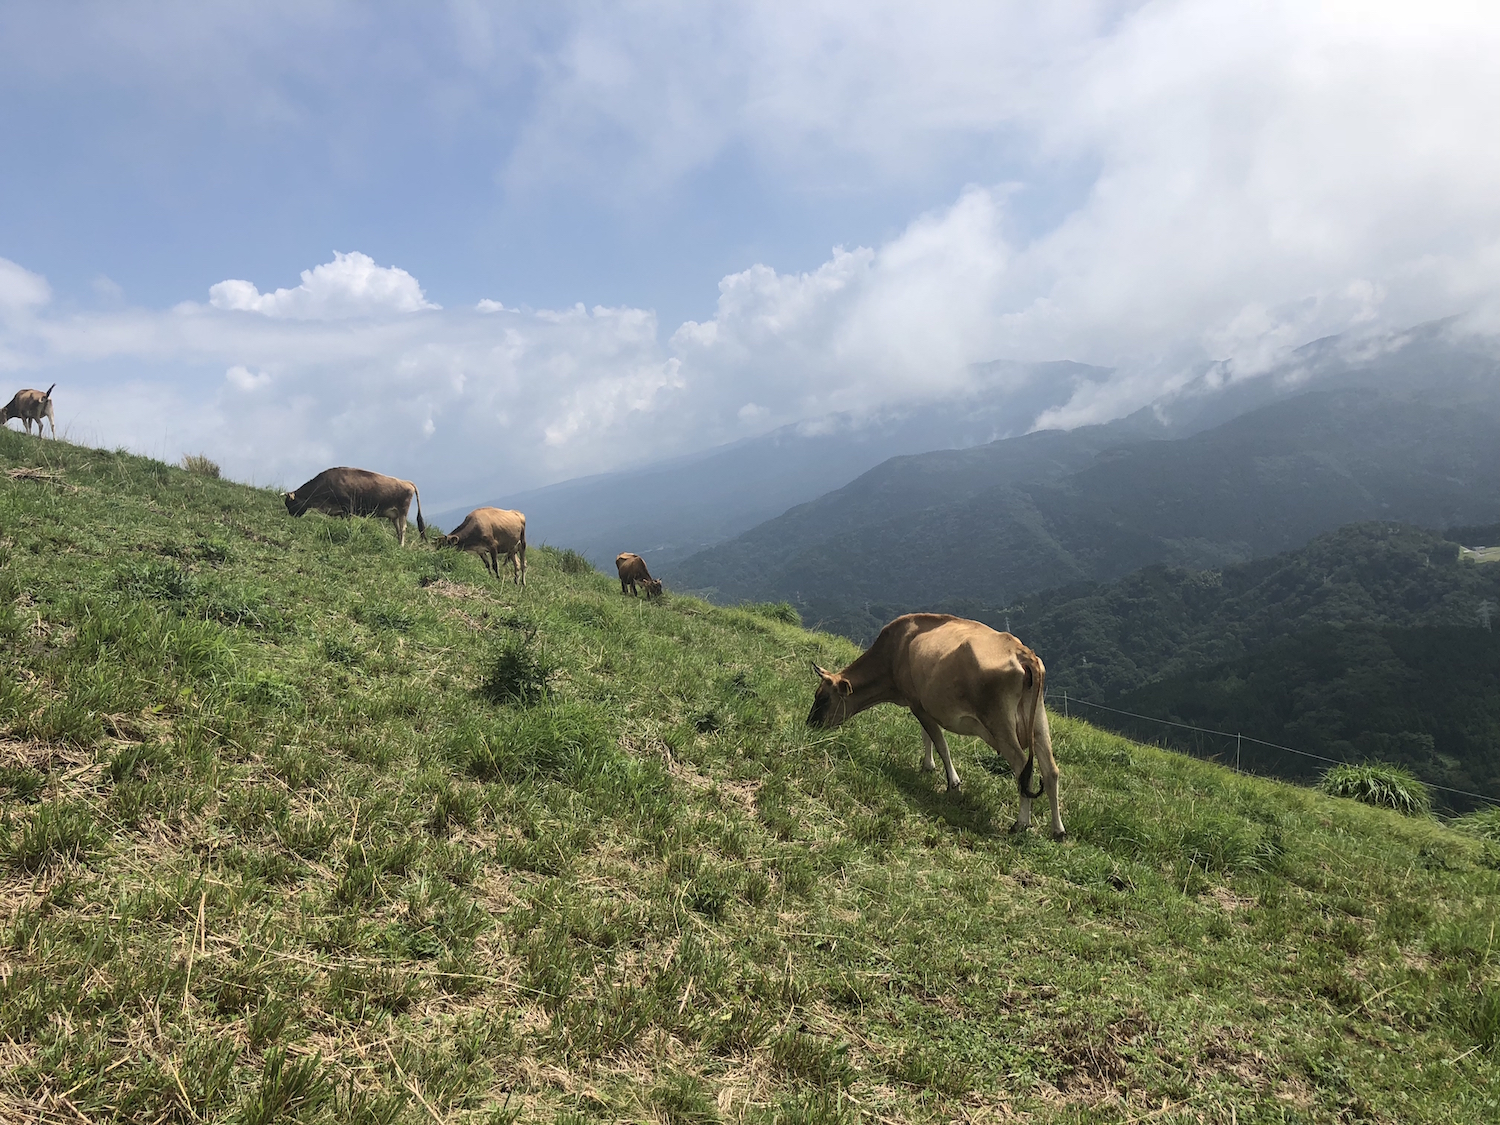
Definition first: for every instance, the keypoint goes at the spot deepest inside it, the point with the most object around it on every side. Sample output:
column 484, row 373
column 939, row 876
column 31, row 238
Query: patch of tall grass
column 1380, row 784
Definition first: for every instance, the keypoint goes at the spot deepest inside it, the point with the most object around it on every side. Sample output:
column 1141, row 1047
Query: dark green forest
column 1425, row 698
column 1369, row 642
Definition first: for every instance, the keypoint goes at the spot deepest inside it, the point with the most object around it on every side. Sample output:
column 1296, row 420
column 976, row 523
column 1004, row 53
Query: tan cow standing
column 359, row 492
column 954, row 675
column 31, row 406
column 632, row 569
column 493, row 534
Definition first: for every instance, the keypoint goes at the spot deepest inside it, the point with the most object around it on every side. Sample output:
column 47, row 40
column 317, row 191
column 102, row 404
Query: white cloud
column 241, row 378
column 21, row 290
column 1240, row 178
column 351, row 285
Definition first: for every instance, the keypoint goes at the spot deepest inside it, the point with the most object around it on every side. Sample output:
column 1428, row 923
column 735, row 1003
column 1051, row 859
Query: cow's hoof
column 1060, row 836
column 928, row 767
column 1018, row 829
column 955, row 786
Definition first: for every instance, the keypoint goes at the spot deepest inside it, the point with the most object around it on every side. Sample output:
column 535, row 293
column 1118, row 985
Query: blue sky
column 581, row 236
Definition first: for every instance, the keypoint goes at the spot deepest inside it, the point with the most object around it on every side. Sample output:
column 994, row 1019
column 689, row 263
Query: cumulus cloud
column 351, row 285
column 21, row 290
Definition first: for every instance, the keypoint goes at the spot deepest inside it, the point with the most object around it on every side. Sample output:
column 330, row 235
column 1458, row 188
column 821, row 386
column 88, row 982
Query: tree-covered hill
column 1427, row 698
column 298, row 825
column 1370, row 642
column 997, row 529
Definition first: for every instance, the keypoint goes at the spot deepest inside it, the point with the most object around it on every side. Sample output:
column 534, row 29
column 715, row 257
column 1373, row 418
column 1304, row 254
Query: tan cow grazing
column 954, row 675
column 493, row 534
column 31, row 406
column 359, row 492
column 632, row 569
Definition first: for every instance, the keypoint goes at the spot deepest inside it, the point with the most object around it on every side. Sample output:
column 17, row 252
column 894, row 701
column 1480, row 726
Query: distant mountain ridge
column 1411, row 436
column 674, row 508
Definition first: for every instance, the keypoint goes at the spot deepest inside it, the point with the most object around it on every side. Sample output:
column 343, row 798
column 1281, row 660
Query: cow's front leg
column 933, row 734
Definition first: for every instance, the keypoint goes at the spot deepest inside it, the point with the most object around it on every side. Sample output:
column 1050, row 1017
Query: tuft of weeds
column 516, row 672
column 784, row 612
column 199, row 465
column 680, row 1099
column 288, row 1090
column 52, row 834
column 570, row 561
column 1380, row 784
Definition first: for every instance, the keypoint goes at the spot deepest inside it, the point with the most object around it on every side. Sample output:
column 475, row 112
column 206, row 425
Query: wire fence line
column 1240, row 738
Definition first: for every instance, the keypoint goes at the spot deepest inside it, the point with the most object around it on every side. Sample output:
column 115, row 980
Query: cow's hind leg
column 1001, row 736
column 932, row 736
column 1047, row 764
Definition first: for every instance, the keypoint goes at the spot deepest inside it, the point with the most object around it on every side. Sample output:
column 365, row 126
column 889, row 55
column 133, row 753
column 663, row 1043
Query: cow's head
column 831, row 699
column 653, row 587
column 295, row 505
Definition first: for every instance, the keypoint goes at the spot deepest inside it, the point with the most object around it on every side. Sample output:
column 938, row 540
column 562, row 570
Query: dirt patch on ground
column 444, row 588
column 1094, row 1059
column 1229, row 900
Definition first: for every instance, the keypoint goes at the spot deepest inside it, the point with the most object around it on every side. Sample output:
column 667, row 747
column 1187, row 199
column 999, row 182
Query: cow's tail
column 421, row 526
column 1036, row 677
column 50, row 389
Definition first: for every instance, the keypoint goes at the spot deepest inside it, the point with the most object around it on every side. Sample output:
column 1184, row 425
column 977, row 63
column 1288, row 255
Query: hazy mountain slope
column 669, row 510
column 1265, row 482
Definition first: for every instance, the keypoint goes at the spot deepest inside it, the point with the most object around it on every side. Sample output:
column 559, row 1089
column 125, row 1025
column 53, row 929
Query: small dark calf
column 633, row 570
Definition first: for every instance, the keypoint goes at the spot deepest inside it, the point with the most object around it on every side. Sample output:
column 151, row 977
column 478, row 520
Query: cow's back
column 499, row 528
column 967, row 658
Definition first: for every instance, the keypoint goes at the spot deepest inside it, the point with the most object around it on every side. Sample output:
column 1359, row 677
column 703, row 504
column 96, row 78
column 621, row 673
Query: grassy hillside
column 298, row 825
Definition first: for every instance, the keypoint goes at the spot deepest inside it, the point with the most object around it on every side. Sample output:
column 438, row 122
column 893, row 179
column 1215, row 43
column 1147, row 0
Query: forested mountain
column 1001, row 522
column 1427, row 698
column 1373, row 641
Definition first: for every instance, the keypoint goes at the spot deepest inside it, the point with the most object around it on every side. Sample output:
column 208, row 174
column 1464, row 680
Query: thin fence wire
column 1239, row 741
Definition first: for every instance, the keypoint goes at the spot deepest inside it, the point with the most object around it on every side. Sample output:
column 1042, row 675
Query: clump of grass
column 776, row 611
column 52, row 835
column 570, row 561
column 199, row 465
column 1484, row 823
column 681, row 1100
column 517, row 672
column 287, row 1091
column 1380, row 784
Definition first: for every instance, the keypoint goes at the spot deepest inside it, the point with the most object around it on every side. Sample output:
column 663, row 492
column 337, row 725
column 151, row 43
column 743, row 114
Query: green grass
column 1380, row 784
column 298, row 825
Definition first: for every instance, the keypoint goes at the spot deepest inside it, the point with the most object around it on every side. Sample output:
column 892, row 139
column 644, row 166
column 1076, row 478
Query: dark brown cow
column 359, row 492
column 493, row 534
column 31, row 406
column 632, row 569
column 954, row 675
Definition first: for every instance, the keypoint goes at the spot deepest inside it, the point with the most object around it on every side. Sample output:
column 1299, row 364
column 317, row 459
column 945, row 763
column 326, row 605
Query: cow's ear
column 845, row 687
